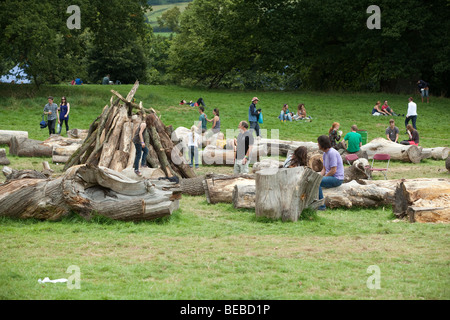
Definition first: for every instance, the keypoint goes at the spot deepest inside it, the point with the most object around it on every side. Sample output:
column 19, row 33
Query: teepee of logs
column 109, row 140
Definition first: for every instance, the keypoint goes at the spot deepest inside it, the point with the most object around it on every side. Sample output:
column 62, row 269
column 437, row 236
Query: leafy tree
column 170, row 19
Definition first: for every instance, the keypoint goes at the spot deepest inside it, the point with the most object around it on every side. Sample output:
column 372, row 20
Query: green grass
column 214, row 251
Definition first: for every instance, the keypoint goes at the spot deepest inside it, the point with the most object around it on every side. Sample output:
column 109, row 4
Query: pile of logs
column 87, row 190
column 108, row 142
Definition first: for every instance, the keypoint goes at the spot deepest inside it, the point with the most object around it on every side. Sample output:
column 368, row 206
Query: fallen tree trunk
column 397, row 151
column 356, row 171
column 213, row 155
column 86, row 190
column 424, row 194
column 277, row 147
column 220, row 188
column 61, row 154
column 78, row 133
column 7, row 135
column 285, row 193
column 4, row 161
column 24, row 147
column 267, row 164
column 352, row 194
column 439, row 153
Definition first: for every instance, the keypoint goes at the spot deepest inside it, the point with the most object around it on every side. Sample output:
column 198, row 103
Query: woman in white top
column 193, row 143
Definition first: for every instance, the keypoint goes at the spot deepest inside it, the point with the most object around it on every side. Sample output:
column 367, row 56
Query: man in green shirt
column 354, row 140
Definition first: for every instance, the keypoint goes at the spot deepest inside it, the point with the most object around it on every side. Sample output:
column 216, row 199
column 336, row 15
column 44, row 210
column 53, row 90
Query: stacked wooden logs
column 108, row 142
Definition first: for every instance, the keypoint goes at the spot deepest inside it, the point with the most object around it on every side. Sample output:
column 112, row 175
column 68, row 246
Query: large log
column 24, row 147
column 426, row 194
column 86, row 190
column 220, row 188
column 439, row 153
column 277, row 147
column 78, row 133
column 285, row 193
column 4, row 161
column 244, row 196
column 213, row 155
column 397, row 151
column 356, row 171
column 352, row 194
column 267, row 164
column 62, row 154
column 7, row 135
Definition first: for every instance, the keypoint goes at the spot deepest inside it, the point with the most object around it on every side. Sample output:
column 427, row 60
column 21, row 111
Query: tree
column 170, row 19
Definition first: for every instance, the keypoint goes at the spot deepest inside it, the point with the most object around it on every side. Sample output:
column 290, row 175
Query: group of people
column 286, row 115
column 57, row 114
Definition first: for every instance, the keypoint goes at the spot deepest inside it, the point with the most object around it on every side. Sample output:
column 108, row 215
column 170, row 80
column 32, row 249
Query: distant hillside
column 158, row 10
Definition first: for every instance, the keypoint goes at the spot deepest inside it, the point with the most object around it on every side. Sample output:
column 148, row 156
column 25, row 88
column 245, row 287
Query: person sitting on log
column 413, row 136
column 221, row 142
column 297, row 159
column 392, row 131
column 335, row 135
column 354, row 140
column 139, row 143
column 333, row 167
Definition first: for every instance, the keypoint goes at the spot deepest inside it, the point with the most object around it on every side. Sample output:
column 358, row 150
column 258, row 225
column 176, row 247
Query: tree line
column 242, row 44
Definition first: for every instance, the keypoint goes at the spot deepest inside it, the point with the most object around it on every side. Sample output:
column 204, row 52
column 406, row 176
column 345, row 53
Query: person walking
column 193, row 143
column 141, row 148
column 392, row 131
column 51, row 110
column 243, row 148
column 424, row 89
column 253, row 116
column 354, row 140
column 333, row 167
column 64, row 110
column 412, row 113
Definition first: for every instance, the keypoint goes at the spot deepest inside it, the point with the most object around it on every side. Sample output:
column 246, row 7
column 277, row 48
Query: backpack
column 43, row 123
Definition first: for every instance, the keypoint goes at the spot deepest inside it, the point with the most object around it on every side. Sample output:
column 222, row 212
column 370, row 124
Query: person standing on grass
column 64, row 109
column 253, row 116
column 193, row 143
column 424, row 89
column 413, row 136
column 354, row 140
column 202, row 119
column 243, row 148
column 333, row 167
column 412, row 113
column 51, row 110
column 141, row 148
column 392, row 131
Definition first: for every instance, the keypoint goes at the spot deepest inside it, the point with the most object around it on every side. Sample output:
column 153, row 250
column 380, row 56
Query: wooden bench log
column 285, row 193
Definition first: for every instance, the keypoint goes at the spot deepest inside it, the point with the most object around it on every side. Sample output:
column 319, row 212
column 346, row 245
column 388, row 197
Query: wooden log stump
column 426, row 194
column 4, row 161
column 220, row 188
column 244, row 196
column 285, row 193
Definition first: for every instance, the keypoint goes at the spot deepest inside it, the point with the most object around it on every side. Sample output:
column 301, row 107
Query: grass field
column 214, row 251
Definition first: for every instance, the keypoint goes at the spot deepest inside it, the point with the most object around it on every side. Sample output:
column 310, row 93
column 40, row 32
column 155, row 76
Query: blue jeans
column 254, row 125
column 139, row 152
column 193, row 153
column 328, row 182
column 413, row 118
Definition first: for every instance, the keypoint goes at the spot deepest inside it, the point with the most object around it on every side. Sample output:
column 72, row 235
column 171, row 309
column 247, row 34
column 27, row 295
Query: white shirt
column 412, row 109
column 193, row 142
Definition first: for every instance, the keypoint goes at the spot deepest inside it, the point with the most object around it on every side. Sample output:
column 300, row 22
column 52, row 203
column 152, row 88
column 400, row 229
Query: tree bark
column 285, row 193
column 397, row 151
